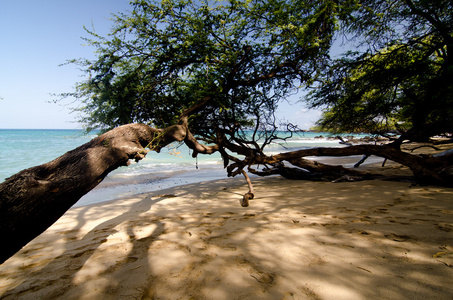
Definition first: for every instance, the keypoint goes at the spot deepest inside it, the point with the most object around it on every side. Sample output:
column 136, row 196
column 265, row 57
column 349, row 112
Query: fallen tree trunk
column 35, row 198
column 431, row 169
column 426, row 168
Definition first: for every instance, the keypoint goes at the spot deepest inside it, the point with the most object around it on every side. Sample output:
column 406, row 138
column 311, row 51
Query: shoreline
column 297, row 240
column 112, row 187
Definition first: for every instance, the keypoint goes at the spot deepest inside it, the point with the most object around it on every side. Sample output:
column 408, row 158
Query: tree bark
column 35, row 198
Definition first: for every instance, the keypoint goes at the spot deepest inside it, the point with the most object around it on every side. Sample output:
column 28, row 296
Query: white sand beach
column 297, row 240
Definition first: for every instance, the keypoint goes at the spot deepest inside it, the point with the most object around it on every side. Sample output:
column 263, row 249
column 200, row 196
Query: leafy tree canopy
column 402, row 81
column 238, row 59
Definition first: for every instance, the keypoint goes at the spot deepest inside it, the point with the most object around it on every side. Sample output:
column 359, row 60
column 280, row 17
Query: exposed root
column 250, row 194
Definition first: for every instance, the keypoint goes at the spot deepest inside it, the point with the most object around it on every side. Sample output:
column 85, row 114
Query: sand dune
column 297, row 240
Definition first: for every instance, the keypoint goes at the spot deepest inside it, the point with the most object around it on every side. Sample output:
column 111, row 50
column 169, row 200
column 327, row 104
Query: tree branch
column 250, row 194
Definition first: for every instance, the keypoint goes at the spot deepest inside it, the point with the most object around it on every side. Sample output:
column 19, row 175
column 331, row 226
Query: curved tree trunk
column 35, row 198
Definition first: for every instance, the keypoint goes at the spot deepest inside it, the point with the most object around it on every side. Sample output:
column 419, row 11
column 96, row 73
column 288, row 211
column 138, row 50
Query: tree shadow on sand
column 303, row 240
column 61, row 273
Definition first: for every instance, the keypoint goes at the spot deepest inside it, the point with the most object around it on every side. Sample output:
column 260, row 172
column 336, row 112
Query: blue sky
column 38, row 36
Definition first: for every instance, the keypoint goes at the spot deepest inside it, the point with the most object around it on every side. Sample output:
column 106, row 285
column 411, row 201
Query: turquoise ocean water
column 21, row 149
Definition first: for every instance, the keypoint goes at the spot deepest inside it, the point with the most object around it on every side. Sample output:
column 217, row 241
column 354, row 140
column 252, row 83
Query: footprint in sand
column 444, row 227
column 397, row 237
column 381, row 211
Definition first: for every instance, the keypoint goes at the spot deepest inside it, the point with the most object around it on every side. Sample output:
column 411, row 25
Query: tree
column 403, row 79
column 207, row 74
